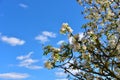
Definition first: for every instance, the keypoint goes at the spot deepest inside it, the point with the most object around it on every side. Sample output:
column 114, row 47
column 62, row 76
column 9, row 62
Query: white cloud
column 60, row 42
column 62, row 79
column 49, row 34
column 23, row 5
column 27, row 62
column 73, row 71
column 25, row 57
column 60, row 74
column 14, row 75
column 13, row 41
column 63, row 76
column 34, row 67
column 44, row 37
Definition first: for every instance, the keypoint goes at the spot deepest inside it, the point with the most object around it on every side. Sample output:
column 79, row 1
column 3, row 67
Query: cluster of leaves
column 96, row 55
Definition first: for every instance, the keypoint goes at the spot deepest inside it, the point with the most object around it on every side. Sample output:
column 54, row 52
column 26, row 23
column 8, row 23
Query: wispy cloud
column 49, row 34
column 23, row 5
column 13, row 75
column 13, row 41
column 44, row 37
column 27, row 62
column 63, row 76
column 60, row 75
column 62, row 79
column 73, row 71
column 25, row 57
column 60, row 42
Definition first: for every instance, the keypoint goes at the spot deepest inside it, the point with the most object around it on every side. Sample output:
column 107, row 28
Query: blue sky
column 27, row 24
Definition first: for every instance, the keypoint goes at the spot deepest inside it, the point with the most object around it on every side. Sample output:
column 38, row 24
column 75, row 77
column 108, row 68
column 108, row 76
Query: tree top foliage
column 95, row 54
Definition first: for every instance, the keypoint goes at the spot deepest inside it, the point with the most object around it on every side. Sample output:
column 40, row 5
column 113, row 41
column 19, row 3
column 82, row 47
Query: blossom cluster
column 65, row 28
